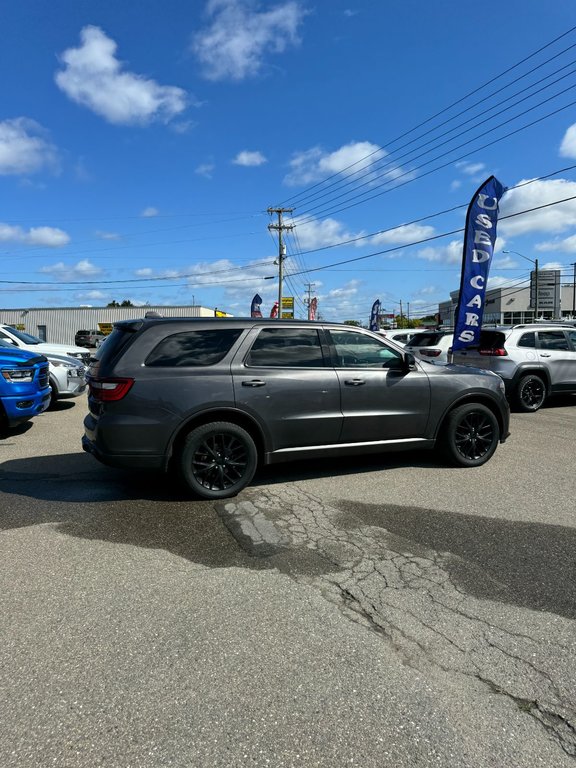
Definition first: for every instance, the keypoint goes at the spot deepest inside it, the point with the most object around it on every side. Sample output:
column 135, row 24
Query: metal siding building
column 59, row 325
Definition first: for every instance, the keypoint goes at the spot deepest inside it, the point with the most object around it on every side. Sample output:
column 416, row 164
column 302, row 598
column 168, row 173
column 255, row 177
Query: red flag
column 312, row 308
column 274, row 310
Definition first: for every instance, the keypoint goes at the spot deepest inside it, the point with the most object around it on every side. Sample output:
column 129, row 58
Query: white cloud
column 83, row 270
column 144, row 272
column 318, row 233
column 566, row 245
column 92, row 76
column 556, row 218
column 24, row 147
column 108, row 235
column 51, row 237
column 357, row 157
column 456, row 184
column 568, row 146
column 149, row 213
column 402, row 235
column 205, row 169
column 249, row 158
column 470, row 169
column 445, row 254
column 234, row 46
column 91, row 295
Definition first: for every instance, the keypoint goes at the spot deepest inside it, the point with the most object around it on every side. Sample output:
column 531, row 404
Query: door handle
column 254, row 383
column 545, row 354
column 354, row 382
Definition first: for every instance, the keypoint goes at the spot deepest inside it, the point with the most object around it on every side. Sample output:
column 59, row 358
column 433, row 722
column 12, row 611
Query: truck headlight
column 19, row 375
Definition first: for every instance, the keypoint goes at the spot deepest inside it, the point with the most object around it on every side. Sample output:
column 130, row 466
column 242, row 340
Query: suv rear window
column 287, row 348
column 425, row 339
column 193, row 348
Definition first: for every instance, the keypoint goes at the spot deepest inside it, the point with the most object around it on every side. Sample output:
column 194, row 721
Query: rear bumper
column 122, row 461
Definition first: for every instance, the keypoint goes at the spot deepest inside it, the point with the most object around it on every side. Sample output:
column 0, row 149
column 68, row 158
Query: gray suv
column 214, row 398
column 535, row 360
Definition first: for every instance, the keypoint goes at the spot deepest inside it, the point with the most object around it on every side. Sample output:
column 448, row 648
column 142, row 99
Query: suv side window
column 527, row 340
column 286, row 348
column 193, row 348
column 356, row 350
column 572, row 337
column 552, row 340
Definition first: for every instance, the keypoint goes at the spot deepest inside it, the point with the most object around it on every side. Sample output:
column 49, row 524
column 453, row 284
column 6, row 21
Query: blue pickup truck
column 24, row 386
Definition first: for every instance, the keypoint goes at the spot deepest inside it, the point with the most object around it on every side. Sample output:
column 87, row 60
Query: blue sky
column 141, row 145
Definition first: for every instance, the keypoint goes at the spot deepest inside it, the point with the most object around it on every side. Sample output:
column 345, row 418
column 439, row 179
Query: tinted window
column 552, row 340
column 193, row 348
column 572, row 337
column 425, row 339
column 287, row 348
column 527, row 340
column 355, row 350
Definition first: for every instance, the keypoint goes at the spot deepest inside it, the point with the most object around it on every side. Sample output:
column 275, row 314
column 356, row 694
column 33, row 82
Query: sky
column 142, row 145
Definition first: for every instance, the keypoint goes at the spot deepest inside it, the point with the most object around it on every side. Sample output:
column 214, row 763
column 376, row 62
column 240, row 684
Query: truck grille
column 43, row 377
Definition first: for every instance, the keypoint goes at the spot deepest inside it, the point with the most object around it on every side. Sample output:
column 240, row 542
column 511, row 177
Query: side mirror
column 409, row 362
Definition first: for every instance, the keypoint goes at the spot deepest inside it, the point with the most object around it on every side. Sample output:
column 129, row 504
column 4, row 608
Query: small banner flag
column 313, row 308
column 479, row 239
column 274, row 310
column 374, row 315
column 255, row 308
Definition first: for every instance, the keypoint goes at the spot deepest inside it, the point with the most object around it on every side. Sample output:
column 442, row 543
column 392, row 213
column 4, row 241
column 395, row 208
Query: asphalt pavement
column 381, row 612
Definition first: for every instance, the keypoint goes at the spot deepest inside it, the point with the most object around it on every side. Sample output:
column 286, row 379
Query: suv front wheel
column 471, row 435
column 530, row 393
column 218, row 460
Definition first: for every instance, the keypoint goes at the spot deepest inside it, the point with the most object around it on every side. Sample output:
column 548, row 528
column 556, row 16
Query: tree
column 353, row 322
column 125, row 303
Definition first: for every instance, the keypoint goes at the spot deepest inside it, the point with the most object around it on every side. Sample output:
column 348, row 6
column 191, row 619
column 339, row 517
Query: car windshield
column 26, row 338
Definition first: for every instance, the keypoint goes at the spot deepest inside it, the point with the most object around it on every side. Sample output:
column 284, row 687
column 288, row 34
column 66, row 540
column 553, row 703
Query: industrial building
column 59, row 325
column 510, row 305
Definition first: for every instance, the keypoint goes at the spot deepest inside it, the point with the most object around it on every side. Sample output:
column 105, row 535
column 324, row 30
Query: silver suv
column 214, row 398
column 535, row 361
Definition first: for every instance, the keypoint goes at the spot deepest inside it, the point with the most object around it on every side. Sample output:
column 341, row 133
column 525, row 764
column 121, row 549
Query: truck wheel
column 471, row 435
column 218, row 460
column 530, row 393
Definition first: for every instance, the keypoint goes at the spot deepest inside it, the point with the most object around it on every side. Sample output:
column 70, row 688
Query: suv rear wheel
column 530, row 393
column 218, row 460
column 471, row 435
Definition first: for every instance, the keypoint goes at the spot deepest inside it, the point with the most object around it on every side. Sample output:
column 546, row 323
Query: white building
column 59, row 325
column 511, row 305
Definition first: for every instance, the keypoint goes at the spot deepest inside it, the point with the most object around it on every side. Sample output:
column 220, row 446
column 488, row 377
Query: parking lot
column 371, row 611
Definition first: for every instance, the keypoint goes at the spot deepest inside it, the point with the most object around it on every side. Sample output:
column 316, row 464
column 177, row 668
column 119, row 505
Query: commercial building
column 510, row 305
column 59, row 325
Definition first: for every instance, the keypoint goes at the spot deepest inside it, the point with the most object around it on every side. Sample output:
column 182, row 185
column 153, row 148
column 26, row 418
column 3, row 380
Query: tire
column 218, row 460
column 530, row 393
column 471, row 435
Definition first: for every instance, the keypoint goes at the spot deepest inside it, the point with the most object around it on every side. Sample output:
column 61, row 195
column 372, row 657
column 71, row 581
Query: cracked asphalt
column 381, row 612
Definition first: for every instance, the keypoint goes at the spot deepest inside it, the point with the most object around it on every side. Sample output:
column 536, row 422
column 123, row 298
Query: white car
column 34, row 344
column 432, row 346
column 67, row 377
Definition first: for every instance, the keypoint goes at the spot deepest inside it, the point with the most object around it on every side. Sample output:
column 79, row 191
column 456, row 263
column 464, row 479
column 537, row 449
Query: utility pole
column 280, row 227
column 401, row 316
column 536, row 288
column 309, row 288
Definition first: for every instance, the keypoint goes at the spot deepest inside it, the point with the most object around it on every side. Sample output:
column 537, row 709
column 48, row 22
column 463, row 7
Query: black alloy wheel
column 218, row 460
column 530, row 393
column 471, row 435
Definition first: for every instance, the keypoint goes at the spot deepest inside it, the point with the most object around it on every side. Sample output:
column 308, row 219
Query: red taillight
column 495, row 352
column 430, row 352
column 108, row 390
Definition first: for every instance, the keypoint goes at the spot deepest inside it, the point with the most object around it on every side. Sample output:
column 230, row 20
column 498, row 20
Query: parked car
column 215, row 398
column 24, row 388
column 88, row 338
column 534, row 360
column 400, row 337
column 431, row 345
column 67, row 377
column 34, row 344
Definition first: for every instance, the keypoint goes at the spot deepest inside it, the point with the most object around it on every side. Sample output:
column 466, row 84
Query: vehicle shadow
column 531, row 565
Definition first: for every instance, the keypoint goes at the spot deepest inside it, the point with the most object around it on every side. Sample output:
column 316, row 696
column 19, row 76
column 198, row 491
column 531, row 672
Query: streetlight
column 535, row 262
